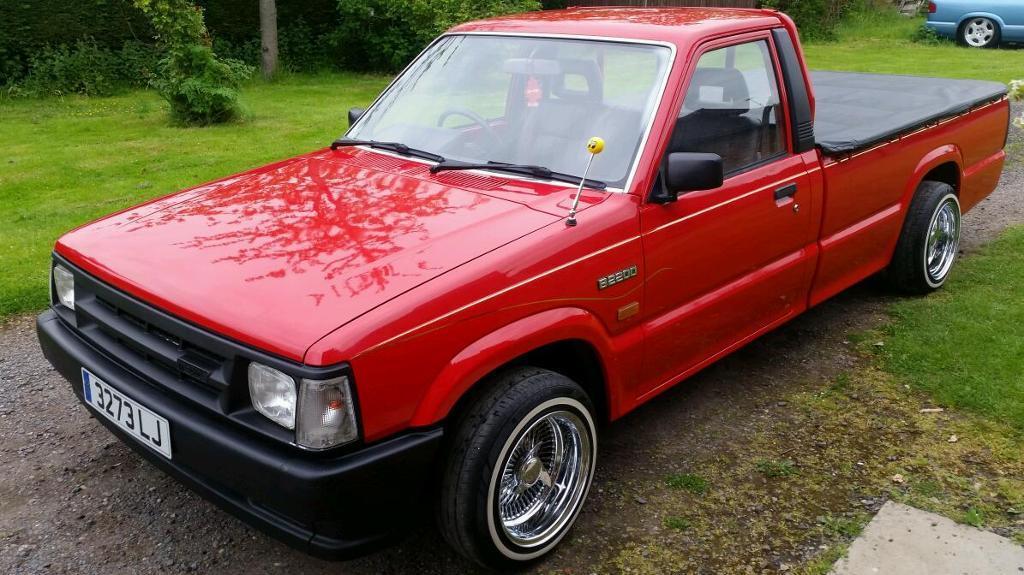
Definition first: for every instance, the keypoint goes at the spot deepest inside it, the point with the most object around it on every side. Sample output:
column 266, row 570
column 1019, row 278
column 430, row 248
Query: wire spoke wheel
column 519, row 468
column 544, row 478
column 943, row 241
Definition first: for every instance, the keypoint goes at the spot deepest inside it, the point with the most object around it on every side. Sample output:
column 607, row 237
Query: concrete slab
column 904, row 540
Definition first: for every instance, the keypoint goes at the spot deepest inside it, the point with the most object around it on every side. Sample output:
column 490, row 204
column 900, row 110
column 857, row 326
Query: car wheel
column 519, row 468
column 979, row 33
column 929, row 242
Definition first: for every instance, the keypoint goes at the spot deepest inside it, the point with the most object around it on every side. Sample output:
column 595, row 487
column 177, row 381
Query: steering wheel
column 474, row 117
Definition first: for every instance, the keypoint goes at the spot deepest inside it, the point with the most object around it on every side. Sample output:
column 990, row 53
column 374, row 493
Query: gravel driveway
column 75, row 500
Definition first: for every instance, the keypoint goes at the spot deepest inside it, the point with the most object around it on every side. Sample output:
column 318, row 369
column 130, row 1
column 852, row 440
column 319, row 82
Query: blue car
column 978, row 23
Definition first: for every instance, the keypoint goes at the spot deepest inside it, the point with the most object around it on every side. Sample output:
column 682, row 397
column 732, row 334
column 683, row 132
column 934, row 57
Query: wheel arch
column 943, row 164
column 993, row 17
column 947, row 173
column 569, row 341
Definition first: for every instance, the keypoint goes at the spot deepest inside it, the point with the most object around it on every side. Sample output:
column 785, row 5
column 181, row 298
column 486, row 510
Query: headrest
column 722, row 89
column 591, row 74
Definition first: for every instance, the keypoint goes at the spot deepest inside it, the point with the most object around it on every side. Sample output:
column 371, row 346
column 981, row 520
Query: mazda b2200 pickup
column 439, row 310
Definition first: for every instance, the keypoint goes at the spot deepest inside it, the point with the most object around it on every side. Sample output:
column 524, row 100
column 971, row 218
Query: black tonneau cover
column 856, row 111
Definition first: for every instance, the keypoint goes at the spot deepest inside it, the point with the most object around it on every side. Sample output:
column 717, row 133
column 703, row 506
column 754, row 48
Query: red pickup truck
column 410, row 320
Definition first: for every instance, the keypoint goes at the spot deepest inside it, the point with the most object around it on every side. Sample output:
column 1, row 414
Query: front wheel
column 979, row 33
column 519, row 469
column 929, row 241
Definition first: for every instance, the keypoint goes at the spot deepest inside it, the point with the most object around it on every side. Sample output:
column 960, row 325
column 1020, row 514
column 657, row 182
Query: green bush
column 816, row 19
column 926, row 35
column 247, row 51
column 28, row 27
column 86, row 68
column 387, row 34
column 201, row 88
column 300, row 48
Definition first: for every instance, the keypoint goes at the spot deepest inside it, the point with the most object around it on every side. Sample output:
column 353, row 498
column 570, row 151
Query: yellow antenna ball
column 595, row 145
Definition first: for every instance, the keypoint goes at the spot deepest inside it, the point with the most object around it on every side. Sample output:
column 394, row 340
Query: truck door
column 724, row 265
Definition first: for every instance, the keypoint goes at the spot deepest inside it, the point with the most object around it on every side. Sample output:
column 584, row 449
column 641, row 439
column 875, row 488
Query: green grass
column 687, row 482
column 823, row 563
column 67, row 161
column 849, row 527
column 974, row 517
column 677, row 523
column 776, row 467
column 882, row 42
column 964, row 345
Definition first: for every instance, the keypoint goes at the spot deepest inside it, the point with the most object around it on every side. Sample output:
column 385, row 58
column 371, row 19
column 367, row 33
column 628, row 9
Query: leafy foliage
column 815, row 19
column 302, row 48
column 86, row 68
column 201, row 88
column 1017, row 93
column 387, row 34
column 926, row 35
column 27, row 28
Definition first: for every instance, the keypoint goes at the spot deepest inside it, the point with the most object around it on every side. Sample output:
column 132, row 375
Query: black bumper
column 332, row 507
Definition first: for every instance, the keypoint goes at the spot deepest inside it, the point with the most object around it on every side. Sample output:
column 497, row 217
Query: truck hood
column 281, row 256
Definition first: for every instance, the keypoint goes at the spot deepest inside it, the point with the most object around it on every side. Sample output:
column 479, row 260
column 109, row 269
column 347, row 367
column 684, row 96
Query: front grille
column 170, row 354
column 181, row 359
column 190, row 363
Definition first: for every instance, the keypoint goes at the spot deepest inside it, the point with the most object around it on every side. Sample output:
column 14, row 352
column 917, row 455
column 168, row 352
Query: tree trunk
column 268, row 37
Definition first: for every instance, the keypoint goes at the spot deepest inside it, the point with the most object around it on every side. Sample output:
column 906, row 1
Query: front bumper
column 332, row 507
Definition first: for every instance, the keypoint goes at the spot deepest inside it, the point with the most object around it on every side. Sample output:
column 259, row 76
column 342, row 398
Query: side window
column 732, row 108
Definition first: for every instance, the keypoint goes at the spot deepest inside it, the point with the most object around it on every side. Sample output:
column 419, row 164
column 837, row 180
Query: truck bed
column 856, row 111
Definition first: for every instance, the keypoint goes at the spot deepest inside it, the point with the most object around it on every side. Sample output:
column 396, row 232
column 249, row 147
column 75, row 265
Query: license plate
column 147, row 427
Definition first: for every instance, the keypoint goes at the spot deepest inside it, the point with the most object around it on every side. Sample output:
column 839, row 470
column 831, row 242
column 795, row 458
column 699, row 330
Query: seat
column 714, row 121
column 558, row 121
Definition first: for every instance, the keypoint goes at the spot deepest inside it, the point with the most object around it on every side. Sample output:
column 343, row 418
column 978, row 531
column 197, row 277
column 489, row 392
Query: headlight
column 327, row 415
column 64, row 285
column 322, row 412
column 273, row 394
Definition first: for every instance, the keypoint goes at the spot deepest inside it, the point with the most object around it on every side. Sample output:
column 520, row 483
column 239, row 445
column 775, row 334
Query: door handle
column 784, row 192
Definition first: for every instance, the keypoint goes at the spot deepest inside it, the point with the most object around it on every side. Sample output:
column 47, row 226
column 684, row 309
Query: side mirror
column 353, row 115
column 690, row 172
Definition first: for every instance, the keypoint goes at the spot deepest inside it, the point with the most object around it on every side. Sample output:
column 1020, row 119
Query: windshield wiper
column 523, row 169
column 389, row 146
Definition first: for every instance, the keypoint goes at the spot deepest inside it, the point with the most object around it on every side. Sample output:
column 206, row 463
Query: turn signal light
column 326, row 413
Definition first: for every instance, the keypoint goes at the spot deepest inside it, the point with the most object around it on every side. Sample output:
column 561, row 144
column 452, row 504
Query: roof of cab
column 676, row 25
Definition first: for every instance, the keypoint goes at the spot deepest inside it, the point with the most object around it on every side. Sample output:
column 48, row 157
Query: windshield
column 524, row 100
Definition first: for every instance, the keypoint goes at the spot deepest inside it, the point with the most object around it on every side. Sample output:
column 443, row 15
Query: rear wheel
column 520, row 466
column 929, row 241
column 979, row 33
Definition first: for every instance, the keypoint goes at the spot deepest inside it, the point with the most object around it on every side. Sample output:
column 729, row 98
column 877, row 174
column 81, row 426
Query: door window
column 732, row 108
